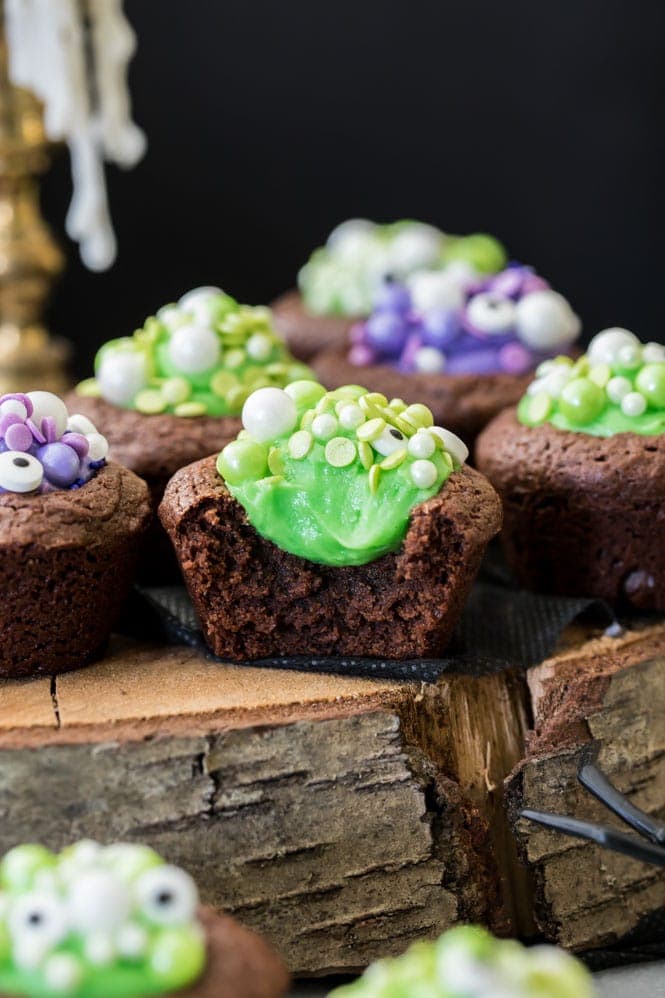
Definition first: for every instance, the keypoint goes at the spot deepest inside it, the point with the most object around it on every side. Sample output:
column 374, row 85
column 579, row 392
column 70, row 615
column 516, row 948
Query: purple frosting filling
column 397, row 334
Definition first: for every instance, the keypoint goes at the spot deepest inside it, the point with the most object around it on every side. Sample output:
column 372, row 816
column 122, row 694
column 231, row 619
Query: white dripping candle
column 87, row 106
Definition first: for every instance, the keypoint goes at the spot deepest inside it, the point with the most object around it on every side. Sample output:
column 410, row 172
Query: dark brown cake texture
column 155, row 447
column 463, row 403
column 306, row 333
column 255, row 600
column 67, row 560
column 240, row 964
column 583, row 515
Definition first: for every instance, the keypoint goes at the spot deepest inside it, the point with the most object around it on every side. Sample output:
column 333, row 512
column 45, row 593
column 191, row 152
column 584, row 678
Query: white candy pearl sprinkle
column 269, row 413
column 453, row 444
column 62, row 972
column 259, row 346
column 545, row 320
column 604, row 347
column 556, row 380
column 617, row 389
column 20, row 472
column 414, row 248
column 421, row 444
column 653, row 353
column 12, row 407
column 98, row 446
column 98, row 902
column 630, row 356
column 132, row 941
column 194, row 348
column 431, row 291
column 423, row 474
column 48, row 404
column 633, row 404
column 172, row 316
column 99, row 949
column 198, row 301
column 429, row 360
column 324, row 426
column 351, row 416
column 122, row 374
column 78, row 423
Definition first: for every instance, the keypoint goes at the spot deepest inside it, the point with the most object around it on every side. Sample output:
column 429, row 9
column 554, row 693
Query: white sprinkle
column 617, row 389
column 429, row 360
column 421, row 444
column 423, row 474
column 351, row 416
column 324, row 426
column 633, row 404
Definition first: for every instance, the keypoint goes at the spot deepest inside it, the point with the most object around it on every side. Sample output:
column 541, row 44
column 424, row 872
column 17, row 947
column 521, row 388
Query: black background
column 541, row 121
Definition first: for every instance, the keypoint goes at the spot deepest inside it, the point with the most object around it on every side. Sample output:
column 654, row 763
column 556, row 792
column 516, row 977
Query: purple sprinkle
column 11, row 419
column 413, row 344
column 49, row 429
column 19, row 397
column 98, row 464
column 18, row 437
column 515, row 358
column 361, row 354
column 78, row 441
column 36, row 432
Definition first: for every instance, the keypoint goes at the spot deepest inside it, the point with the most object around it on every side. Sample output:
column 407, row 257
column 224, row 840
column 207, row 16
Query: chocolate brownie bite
column 71, row 527
column 466, row 347
column 172, row 393
column 336, row 287
column 336, row 524
column 118, row 920
column 580, row 467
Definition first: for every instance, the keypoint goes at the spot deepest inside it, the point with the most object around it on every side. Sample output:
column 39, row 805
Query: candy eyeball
column 98, row 902
column 20, row 472
column 194, row 348
column 48, row 404
column 605, row 346
column 390, row 440
column 490, row 314
column 452, row 443
column 545, row 321
column 167, row 895
column 269, row 413
column 433, row 291
column 36, row 922
column 415, row 247
column 121, row 375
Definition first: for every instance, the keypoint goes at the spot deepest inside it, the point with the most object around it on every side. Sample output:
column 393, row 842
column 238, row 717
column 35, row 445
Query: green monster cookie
column 96, row 922
column 203, row 356
column 332, row 476
column 467, row 962
column 618, row 386
column 341, row 278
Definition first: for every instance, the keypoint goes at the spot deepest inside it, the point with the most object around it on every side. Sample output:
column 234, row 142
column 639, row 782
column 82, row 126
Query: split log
column 611, row 692
column 342, row 818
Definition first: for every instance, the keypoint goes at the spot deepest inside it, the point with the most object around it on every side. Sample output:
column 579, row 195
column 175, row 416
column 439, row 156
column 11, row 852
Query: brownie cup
column 172, row 393
column 364, row 540
column 118, row 919
column 584, row 513
column 338, row 283
column 71, row 528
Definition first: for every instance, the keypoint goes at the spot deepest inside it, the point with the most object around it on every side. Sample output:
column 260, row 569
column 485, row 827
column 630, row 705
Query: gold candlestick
column 29, row 257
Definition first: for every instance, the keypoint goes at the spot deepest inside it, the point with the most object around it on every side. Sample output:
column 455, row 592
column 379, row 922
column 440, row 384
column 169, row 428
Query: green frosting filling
column 333, row 476
column 467, row 962
column 96, row 922
column 617, row 387
column 202, row 356
column 341, row 278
